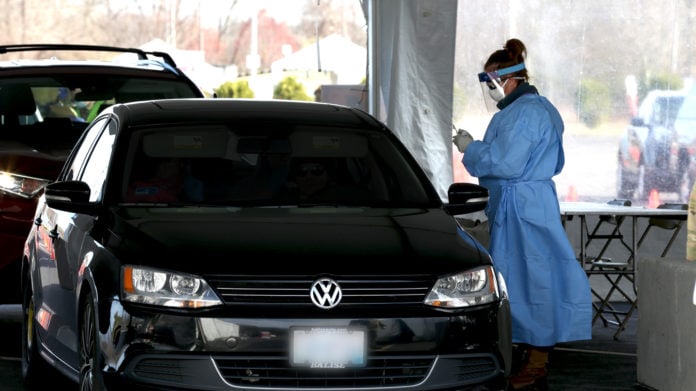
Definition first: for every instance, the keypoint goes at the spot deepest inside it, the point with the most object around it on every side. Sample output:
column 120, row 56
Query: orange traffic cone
column 572, row 195
column 653, row 199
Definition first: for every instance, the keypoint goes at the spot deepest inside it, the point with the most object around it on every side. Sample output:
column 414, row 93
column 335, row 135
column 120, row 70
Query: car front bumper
column 164, row 351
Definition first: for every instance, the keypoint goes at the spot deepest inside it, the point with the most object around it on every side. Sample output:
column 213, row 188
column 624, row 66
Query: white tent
column 411, row 76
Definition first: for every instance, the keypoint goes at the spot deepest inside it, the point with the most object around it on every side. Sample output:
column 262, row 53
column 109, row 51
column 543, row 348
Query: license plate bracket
column 328, row 347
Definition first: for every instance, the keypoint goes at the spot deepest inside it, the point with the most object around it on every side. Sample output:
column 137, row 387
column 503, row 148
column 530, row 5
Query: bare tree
column 326, row 17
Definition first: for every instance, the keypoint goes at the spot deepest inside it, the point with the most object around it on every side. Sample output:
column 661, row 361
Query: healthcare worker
column 521, row 151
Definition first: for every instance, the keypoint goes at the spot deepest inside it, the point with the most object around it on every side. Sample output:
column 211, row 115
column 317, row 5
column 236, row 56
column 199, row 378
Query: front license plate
column 327, row 347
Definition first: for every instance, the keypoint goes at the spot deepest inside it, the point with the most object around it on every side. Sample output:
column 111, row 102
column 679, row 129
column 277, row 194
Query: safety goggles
column 492, row 84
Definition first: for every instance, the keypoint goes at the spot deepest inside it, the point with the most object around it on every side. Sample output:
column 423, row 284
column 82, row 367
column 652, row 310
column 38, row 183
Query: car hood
column 20, row 158
column 296, row 240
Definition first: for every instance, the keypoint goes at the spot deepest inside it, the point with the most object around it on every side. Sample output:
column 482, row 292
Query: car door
column 62, row 235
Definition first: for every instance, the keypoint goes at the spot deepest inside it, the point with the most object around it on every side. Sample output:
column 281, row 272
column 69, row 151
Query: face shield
column 492, row 85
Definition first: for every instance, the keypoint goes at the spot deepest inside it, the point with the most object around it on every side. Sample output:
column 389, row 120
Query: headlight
column 165, row 288
column 465, row 289
column 21, row 185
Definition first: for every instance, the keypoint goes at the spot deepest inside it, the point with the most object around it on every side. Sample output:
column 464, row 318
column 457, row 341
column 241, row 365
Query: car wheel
column 647, row 184
column 90, row 374
column 625, row 186
column 34, row 368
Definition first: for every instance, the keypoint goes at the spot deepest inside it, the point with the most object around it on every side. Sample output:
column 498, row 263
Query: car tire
column 649, row 183
column 34, row 368
column 90, row 356
column 625, row 186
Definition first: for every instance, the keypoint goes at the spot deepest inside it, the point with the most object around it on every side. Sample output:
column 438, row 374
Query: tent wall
column 410, row 76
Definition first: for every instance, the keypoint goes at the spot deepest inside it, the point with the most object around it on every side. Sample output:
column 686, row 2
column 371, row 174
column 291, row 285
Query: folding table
column 632, row 215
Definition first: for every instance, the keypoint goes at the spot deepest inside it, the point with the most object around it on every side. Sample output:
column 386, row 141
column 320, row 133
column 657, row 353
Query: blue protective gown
column 522, row 150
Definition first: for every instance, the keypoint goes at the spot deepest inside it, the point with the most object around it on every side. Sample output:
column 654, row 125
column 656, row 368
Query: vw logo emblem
column 325, row 293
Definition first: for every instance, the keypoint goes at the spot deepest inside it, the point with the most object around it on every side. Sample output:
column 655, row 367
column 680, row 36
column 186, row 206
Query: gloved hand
column 462, row 140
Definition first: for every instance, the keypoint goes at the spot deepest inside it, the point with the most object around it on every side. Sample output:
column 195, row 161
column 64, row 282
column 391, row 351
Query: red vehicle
column 45, row 105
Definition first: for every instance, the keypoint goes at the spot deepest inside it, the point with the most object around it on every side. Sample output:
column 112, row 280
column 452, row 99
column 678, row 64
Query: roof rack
column 142, row 54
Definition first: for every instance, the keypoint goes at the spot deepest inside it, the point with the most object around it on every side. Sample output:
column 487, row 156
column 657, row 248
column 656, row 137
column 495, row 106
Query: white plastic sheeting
column 410, row 77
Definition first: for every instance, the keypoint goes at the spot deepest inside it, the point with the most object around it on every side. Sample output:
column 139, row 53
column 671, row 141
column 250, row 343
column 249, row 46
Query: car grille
column 356, row 290
column 391, row 371
column 275, row 372
column 160, row 369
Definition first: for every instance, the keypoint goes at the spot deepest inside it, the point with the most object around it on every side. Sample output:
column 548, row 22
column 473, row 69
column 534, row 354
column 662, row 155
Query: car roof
column 55, row 50
column 37, row 59
column 56, row 63
column 257, row 110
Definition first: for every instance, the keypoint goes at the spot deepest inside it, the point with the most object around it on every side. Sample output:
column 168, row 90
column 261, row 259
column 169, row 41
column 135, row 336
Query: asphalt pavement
column 602, row 363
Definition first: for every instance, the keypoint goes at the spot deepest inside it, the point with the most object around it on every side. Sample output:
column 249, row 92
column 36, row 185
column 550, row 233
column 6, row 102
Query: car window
column 53, row 106
column 77, row 160
column 97, row 163
column 239, row 166
column 666, row 109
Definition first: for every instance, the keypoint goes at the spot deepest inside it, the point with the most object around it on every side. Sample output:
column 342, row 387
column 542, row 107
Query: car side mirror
column 69, row 196
column 466, row 198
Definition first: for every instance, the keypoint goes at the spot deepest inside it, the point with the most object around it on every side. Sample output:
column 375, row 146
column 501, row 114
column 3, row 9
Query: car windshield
column 244, row 166
column 666, row 110
column 56, row 109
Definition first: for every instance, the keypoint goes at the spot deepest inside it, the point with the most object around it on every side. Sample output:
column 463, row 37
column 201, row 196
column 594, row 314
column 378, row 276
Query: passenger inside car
column 323, row 179
column 170, row 182
column 311, row 179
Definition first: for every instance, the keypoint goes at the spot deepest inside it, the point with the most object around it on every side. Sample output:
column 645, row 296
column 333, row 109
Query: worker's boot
column 533, row 373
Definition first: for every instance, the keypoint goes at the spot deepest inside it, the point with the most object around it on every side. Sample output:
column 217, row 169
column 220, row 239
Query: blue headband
column 489, row 76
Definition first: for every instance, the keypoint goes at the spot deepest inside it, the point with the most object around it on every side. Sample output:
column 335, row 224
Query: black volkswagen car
column 224, row 244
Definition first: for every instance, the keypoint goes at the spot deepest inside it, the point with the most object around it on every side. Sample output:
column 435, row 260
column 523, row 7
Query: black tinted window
column 236, row 166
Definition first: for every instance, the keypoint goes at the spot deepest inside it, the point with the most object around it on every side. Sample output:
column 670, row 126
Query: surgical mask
column 497, row 93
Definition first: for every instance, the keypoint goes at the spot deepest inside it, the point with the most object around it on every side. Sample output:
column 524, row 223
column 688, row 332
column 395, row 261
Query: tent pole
column 373, row 69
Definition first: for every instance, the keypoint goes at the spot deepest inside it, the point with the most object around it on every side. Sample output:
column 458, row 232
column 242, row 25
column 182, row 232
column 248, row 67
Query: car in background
column 48, row 95
column 685, row 129
column 652, row 156
column 175, row 250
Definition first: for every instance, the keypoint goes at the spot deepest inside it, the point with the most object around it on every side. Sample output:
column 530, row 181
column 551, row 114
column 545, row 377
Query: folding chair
column 674, row 225
column 598, row 232
column 616, row 272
